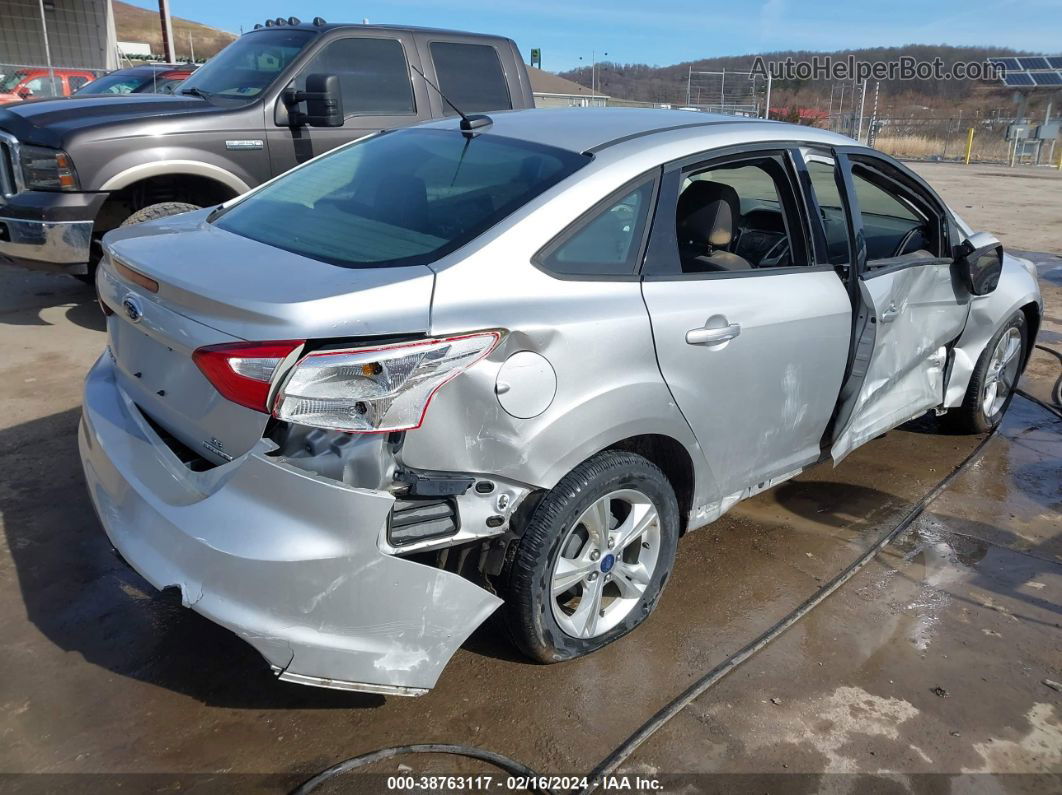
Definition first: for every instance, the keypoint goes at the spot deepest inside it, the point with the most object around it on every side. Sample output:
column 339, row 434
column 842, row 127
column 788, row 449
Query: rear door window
column 471, row 76
column 373, row 75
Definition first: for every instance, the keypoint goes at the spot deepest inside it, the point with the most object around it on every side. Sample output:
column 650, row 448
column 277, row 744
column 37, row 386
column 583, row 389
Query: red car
column 35, row 83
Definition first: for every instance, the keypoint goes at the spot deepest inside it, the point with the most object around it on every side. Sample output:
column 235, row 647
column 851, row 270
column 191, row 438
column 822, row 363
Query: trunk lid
column 216, row 287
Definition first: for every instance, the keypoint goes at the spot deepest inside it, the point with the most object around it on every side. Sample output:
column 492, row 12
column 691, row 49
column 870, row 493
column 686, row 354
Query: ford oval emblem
column 132, row 309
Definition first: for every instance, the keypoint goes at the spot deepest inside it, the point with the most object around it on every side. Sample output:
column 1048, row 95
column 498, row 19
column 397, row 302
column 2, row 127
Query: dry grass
column 142, row 25
column 921, row 147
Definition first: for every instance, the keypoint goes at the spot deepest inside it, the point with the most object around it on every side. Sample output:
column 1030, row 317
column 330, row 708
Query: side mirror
column 25, row 93
column 324, row 102
column 980, row 258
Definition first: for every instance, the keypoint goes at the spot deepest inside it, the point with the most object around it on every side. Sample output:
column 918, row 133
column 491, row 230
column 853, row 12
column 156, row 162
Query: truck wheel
column 593, row 559
column 149, row 213
column 993, row 381
column 160, row 210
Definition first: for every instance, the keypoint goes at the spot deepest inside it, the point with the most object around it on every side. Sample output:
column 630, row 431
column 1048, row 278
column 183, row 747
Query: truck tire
column 160, row 210
column 993, row 381
column 593, row 559
column 149, row 213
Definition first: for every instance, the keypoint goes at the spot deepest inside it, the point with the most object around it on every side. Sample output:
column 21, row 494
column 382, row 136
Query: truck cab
column 72, row 169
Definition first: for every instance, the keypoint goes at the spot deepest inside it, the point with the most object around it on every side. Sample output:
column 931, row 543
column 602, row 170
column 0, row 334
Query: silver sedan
column 456, row 368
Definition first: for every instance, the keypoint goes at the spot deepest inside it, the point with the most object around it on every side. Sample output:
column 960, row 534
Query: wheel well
column 1032, row 323
column 674, row 461
column 190, row 188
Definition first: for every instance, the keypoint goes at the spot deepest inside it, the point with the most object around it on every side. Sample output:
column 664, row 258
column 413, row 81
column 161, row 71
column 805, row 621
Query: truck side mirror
column 980, row 259
column 324, row 102
column 25, row 93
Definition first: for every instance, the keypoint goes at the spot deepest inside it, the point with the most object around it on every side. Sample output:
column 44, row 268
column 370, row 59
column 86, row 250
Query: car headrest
column 706, row 213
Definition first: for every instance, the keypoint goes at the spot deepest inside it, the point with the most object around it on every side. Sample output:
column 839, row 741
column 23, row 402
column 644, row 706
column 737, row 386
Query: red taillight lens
column 241, row 371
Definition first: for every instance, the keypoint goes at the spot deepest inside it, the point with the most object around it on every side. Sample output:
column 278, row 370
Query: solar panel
column 1010, row 64
column 1034, row 62
column 1047, row 78
column 1017, row 79
column 1055, row 61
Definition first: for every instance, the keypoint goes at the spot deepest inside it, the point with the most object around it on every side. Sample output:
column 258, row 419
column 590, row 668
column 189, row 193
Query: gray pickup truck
column 73, row 169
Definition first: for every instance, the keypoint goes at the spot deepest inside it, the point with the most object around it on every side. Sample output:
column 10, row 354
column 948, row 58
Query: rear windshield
column 401, row 198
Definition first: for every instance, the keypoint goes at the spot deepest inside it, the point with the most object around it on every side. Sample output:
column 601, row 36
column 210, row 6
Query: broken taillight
column 241, row 371
column 384, row 388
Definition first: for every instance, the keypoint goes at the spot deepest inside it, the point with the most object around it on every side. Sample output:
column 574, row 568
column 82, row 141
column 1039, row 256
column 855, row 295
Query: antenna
column 469, row 124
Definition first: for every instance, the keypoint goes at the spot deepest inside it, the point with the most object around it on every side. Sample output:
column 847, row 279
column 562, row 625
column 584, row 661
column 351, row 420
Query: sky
column 662, row 32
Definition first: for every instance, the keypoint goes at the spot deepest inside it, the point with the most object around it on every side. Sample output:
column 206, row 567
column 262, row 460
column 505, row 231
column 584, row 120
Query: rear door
column 751, row 326
column 910, row 303
column 378, row 90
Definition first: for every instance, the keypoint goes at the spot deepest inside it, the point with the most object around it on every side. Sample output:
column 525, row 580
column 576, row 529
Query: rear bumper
column 288, row 561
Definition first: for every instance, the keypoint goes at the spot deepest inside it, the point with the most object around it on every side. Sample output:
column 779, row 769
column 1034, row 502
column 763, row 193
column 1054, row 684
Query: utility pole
column 767, row 110
column 689, row 82
column 862, row 104
column 48, row 50
column 872, row 128
column 167, row 31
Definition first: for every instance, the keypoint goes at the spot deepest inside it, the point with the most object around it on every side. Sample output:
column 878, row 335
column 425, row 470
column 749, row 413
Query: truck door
column 910, row 304
column 377, row 89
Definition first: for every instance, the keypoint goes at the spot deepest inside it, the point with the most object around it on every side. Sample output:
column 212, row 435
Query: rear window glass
column 471, row 76
column 401, row 198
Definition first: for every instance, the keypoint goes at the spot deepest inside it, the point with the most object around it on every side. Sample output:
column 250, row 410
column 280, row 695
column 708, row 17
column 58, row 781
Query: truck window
column 249, row 65
column 373, row 75
column 44, row 87
column 471, row 76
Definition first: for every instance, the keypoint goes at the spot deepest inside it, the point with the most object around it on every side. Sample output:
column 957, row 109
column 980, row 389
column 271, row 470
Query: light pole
column 593, row 72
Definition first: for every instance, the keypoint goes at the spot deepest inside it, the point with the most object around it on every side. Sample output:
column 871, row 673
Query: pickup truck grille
column 8, row 164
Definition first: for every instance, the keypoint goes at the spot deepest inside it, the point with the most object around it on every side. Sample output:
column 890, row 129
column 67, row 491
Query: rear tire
column 149, row 213
column 993, row 381
column 571, row 588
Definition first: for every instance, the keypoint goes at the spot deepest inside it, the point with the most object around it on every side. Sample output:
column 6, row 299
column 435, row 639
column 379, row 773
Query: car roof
column 593, row 129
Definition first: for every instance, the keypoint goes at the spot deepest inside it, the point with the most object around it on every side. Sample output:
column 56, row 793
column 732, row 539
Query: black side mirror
column 980, row 258
column 324, row 102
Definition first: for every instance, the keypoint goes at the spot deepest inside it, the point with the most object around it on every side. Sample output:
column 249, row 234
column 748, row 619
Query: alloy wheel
column 607, row 560
column 1002, row 372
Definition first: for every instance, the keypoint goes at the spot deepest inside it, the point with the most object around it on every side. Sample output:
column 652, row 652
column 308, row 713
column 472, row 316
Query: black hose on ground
column 611, row 763
column 498, row 760
column 1056, row 393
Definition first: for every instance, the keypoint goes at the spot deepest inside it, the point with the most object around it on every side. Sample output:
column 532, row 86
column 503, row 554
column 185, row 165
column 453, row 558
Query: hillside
column 644, row 83
column 141, row 25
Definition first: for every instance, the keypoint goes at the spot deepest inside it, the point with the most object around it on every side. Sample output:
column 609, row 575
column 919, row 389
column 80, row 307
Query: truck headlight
column 47, row 169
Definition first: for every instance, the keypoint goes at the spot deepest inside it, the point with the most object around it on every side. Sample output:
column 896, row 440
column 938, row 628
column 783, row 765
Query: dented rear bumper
column 287, row 560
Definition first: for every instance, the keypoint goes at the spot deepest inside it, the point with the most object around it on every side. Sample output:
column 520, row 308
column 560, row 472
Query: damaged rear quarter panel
column 287, row 560
column 595, row 334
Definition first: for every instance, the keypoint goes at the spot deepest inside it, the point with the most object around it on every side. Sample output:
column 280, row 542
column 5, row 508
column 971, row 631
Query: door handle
column 890, row 314
column 712, row 336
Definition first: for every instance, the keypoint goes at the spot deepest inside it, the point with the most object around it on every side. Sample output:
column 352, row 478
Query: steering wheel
column 775, row 254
